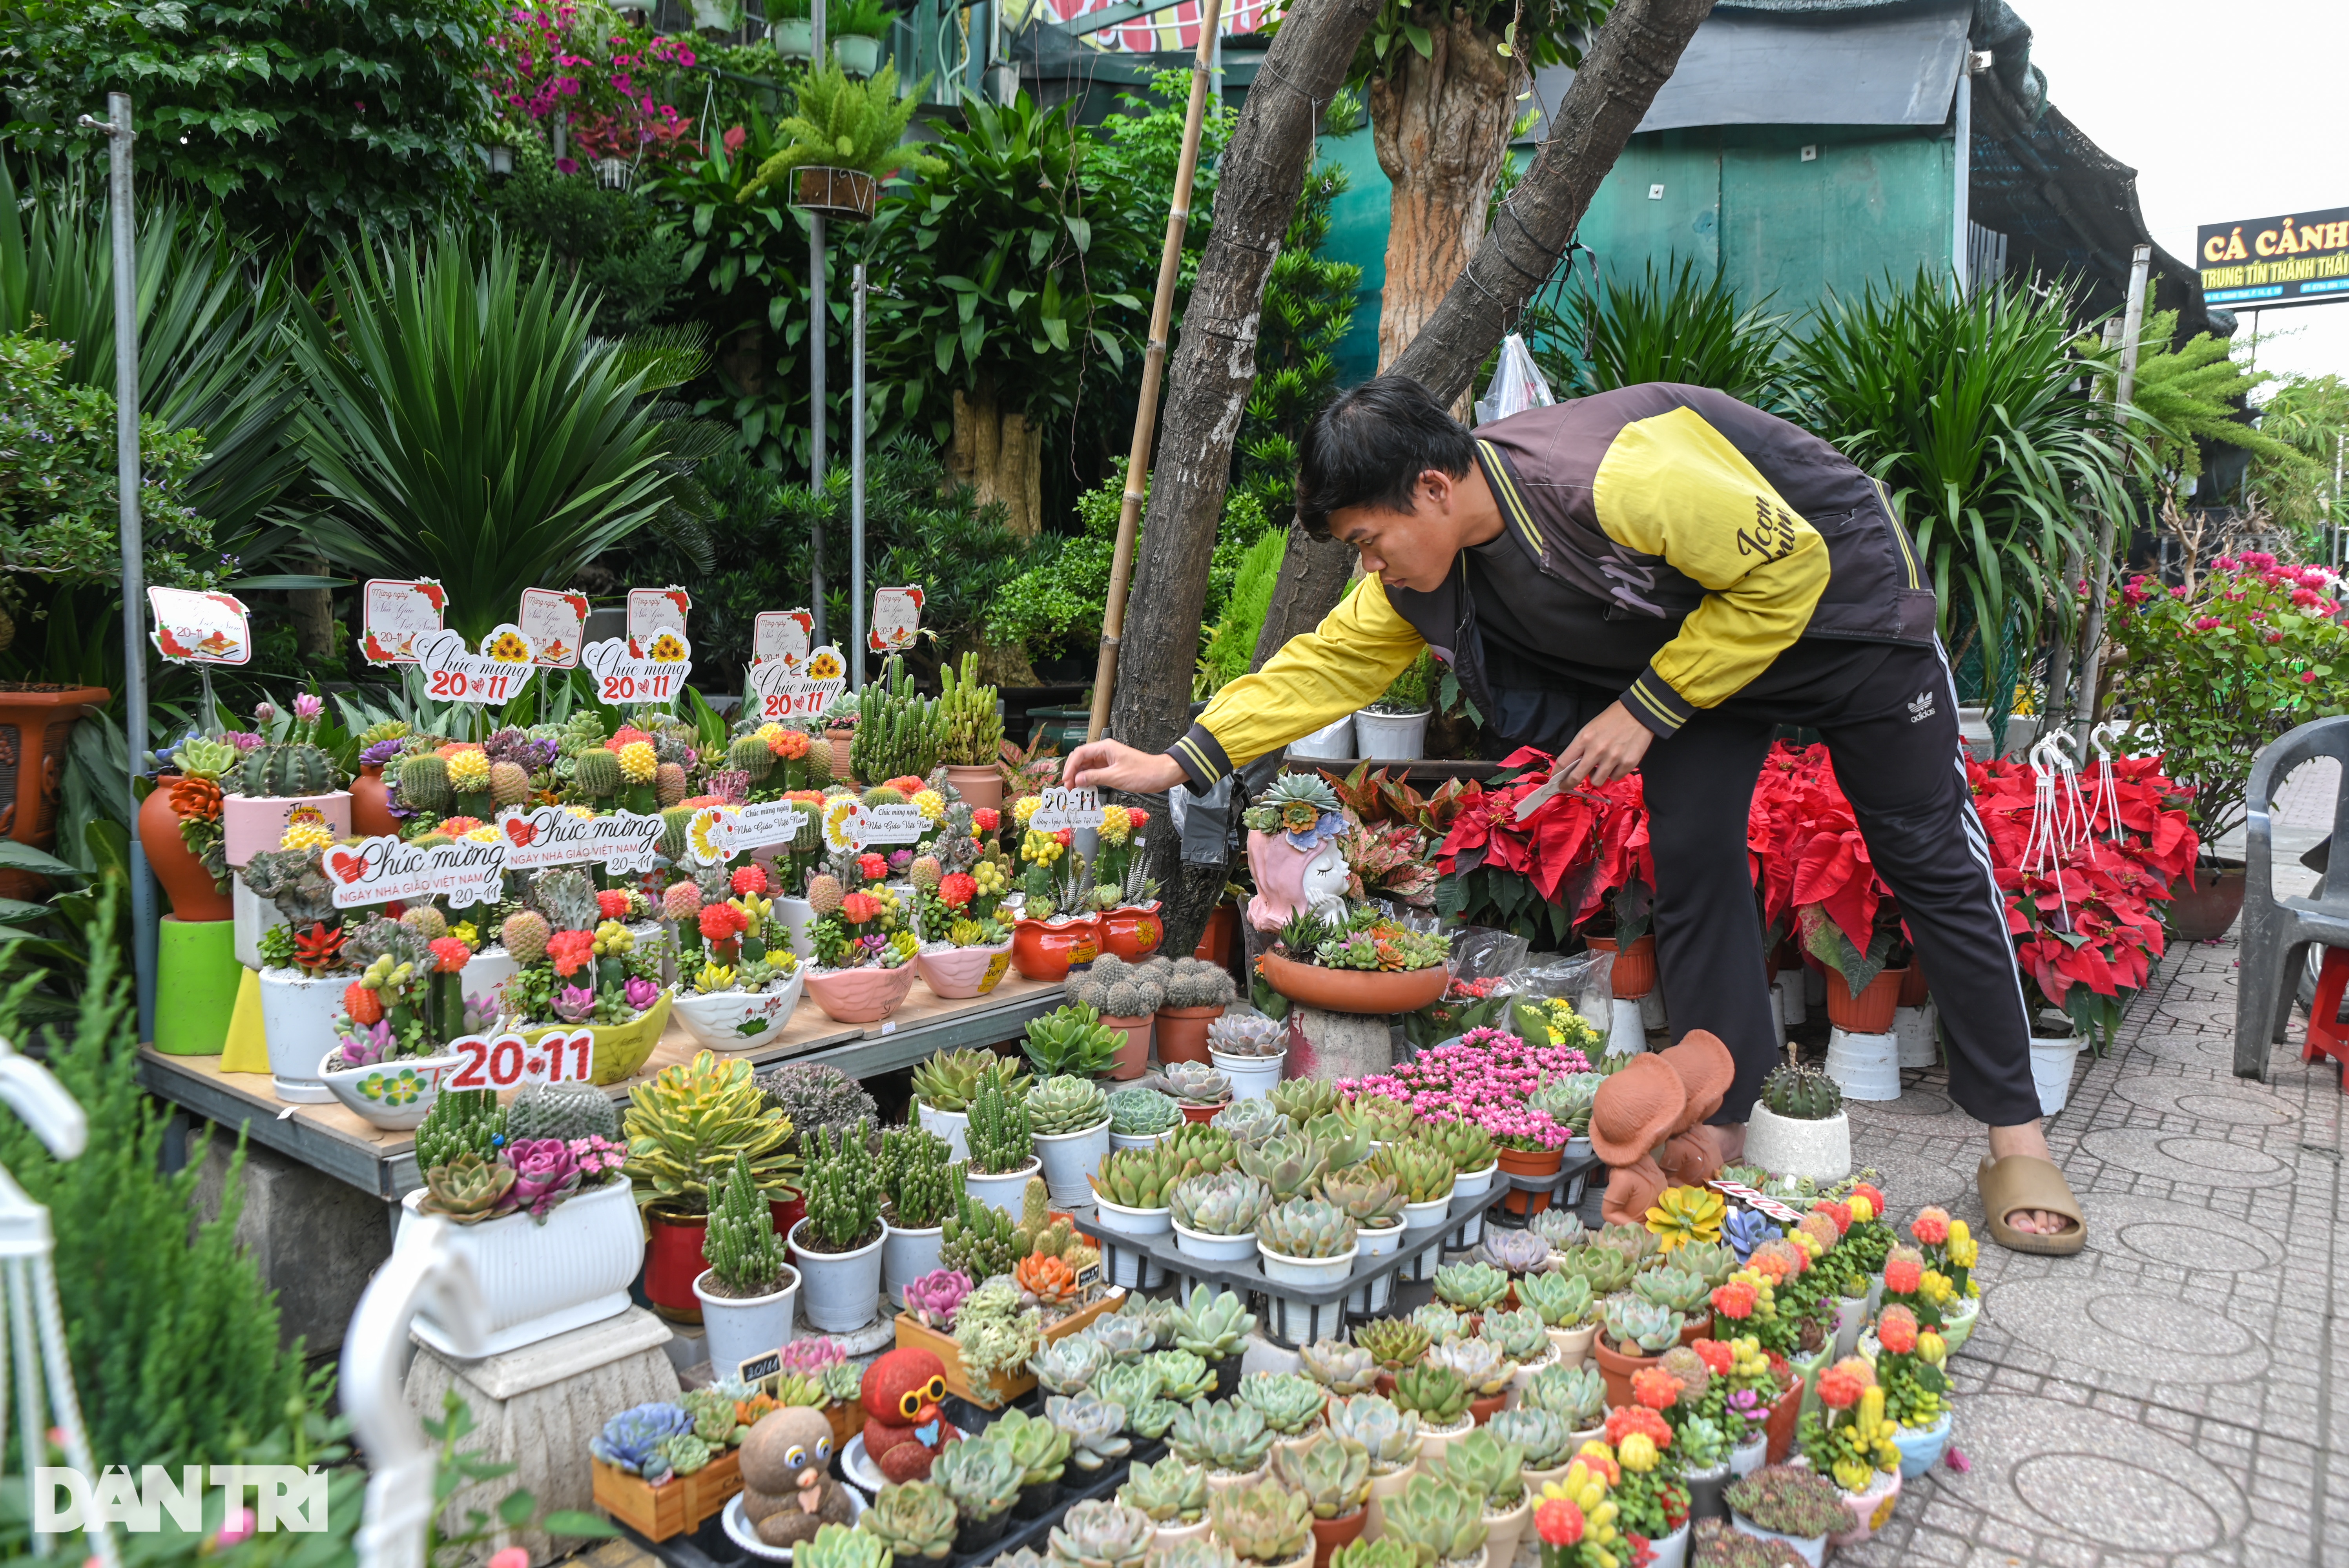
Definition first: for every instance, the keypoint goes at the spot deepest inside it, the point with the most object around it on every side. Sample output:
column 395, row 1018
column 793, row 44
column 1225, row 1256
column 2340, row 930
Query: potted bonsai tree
column 747, row 1290
column 838, row 1246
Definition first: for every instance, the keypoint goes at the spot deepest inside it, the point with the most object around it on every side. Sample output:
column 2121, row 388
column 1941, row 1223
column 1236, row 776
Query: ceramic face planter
column 1292, row 879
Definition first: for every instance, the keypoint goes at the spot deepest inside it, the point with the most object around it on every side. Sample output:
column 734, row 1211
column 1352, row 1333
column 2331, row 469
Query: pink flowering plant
column 2225, row 665
column 610, row 76
column 1484, row 1076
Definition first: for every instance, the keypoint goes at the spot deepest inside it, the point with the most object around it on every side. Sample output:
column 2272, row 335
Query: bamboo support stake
column 1153, row 368
column 2101, row 568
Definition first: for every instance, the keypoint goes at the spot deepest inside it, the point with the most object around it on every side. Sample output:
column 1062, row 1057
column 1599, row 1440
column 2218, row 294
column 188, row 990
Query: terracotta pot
column 1614, row 1370
column 1216, row 942
column 847, row 1419
column 981, row 786
column 36, row 724
column 1913, row 990
column 1483, row 1411
column 1133, row 1052
column 1133, row 935
column 1328, row 1534
column 2203, row 909
column 371, row 805
column 1046, row 952
column 1203, row 1113
column 841, row 740
column 673, row 1261
column 1870, row 1012
column 193, row 896
column 1181, row 1033
column 1699, row 1328
column 1634, row 974
column 1354, row 990
column 859, row 996
column 1781, row 1426
column 1529, row 1162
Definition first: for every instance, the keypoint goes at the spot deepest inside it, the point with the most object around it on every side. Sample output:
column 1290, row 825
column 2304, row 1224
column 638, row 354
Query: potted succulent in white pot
column 1798, row 1127
column 748, row 1292
column 923, row 1185
column 1491, row 1469
column 1373, row 1200
column 1780, row 1502
column 1130, row 1190
column 1140, row 1118
column 1068, row 1124
column 1566, row 1309
column 945, row 1085
column 1394, row 728
column 1002, row 1153
column 1215, row 1216
column 1173, row 1494
column 838, row 1246
column 1249, row 1049
column 1439, row 1522
column 1306, row 1241
column 304, row 965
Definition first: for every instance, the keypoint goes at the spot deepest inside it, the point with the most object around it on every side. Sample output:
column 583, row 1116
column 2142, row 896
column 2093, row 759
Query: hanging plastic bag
column 1517, row 386
column 1585, row 982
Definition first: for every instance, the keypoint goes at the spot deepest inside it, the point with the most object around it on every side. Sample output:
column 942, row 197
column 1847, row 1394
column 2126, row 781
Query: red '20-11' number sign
column 628, row 688
column 451, row 685
column 509, row 1061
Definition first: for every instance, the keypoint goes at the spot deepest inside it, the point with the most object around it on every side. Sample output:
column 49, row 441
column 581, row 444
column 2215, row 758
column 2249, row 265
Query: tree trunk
column 312, row 611
column 1630, row 57
column 1441, row 125
column 996, row 451
column 1208, row 384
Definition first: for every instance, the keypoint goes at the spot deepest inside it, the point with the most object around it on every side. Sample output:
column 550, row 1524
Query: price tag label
column 1067, row 809
column 767, row 823
column 629, row 672
column 394, row 615
column 547, row 836
column 652, row 609
column 193, row 628
column 380, row 870
column 782, row 635
column 509, row 1061
column 490, row 678
column 555, row 624
column 790, row 688
column 995, row 968
column 764, row 1364
column 1753, row 1200
column 896, row 619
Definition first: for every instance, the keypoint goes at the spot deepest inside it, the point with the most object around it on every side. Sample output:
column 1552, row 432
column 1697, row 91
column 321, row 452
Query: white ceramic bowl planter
column 1787, row 1147
column 1129, row 1266
column 906, row 1255
column 297, row 1015
column 1069, row 1157
column 840, row 1291
column 1213, row 1249
column 1007, row 1191
column 394, row 1095
column 738, row 1020
column 740, row 1327
column 1252, row 1076
column 539, row 1280
column 2051, row 1069
column 946, row 1124
column 1294, row 1319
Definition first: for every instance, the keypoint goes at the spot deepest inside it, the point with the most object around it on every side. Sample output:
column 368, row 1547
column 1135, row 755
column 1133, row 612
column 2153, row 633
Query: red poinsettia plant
column 1581, row 855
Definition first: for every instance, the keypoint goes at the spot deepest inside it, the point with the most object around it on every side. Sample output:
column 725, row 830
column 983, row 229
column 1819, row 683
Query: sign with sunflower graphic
column 378, row 871
column 652, row 610
column 709, row 836
column 896, row 619
column 790, row 689
column 630, row 671
column 782, row 635
column 394, row 615
column 1067, row 809
column 492, row 678
column 192, row 628
column 555, row 624
column 619, row 841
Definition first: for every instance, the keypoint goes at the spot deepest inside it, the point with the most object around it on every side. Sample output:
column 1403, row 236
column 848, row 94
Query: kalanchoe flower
column 597, row 1157
column 545, row 1172
column 640, row 993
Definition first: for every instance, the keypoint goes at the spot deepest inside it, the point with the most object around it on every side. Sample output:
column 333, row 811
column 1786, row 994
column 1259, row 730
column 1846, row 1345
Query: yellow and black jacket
column 1672, row 504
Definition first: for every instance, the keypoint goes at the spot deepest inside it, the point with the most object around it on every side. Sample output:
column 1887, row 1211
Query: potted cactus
column 263, row 789
column 1439, row 1396
column 1196, row 993
column 690, row 1120
column 923, row 1183
column 1334, row 1478
column 1002, row 1151
column 1126, row 998
column 863, row 953
column 1173, row 1494
column 972, row 747
column 967, row 946
column 1215, row 1216
column 1798, row 1127
column 748, row 1292
column 915, row 1519
column 1140, row 1118
column 738, row 979
column 1249, row 1049
column 1068, row 1126
column 1441, row 1523
column 945, row 1085
column 578, row 963
column 1305, row 1241
column 838, row 1246
column 1264, row 1524
column 980, row 1476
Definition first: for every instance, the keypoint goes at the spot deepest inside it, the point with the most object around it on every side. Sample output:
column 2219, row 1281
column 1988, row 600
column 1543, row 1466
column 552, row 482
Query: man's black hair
column 1369, row 446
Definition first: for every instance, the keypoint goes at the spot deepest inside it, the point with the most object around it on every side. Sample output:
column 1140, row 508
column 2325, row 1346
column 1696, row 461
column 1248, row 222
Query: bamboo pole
column 2101, row 570
column 1153, row 370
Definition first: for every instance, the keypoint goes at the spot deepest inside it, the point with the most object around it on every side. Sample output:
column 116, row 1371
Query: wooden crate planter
column 1003, row 1390
column 678, row 1506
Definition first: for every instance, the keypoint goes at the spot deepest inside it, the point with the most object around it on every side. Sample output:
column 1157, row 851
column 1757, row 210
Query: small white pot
column 1473, row 1185
column 486, row 975
column 1865, row 1066
column 1294, row 1320
column 1918, row 1029
column 1334, row 739
column 297, row 1015
column 1007, row 1191
column 539, row 1280
column 253, row 915
column 1671, row 1551
column 1252, row 1076
column 946, row 1124
column 906, row 1255
column 797, row 914
column 1132, row 1266
column 1167, row 1536
column 1786, row 1146
column 842, row 1290
column 395, row 1096
column 1390, row 737
column 1811, row 1549
column 2050, row 1070
column 1212, row 1249
column 1574, row 1344
column 738, row 1020
column 1122, row 1140
column 1417, row 1218
column 252, row 823
column 1749, row 1456
column 1851, row 1317
column 1069, row 1157
column 1375, row 1244
column 740, row 1327
column 1627, row 1031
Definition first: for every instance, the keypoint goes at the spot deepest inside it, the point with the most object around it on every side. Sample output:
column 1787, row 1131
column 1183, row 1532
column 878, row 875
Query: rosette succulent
column 913, row 1518
column 1247, row 1035
column 1142, row 1112
column 1251, row 1122
column 1140, row 1178
column 1425, row 1174
column 1197, row 1551
column 933, row 1298
column 1101, row 1533
column 1288, row 1163
column 1563, row 1300
column 1040, row 1448
column 1438, row 1520
column 633, row 1440
column 1486, row 1465
column 1065, row 1366
column 1521, row 1336
column 1372, row 1201
column 1604, row 1269
column 1262, row 1524
column 1437, row 1395
column 1301, row 1100
column 1469, row 1145
column 1227, row 1436
column 1470, row 1286
column 1440, row 1322
column 1575, row 1394
column 1227, row 1203
column 1127, row 1383
column 1478, row 1363
column 1684, row 1293
column 1197, row 1083
column 1634, row 1242
column 1388, row 1118
column 1513, row 1251
column 1124, row 1336
column 1390, row 1436
column 1561, row 1228
column 1332, row 1476
column 1183, row 1375
column 1288, row 1402
column 1339, row 1368
column 1096, row 1428
column 1711, row 1262
column 1305, row 1228
column 1394, row 1343
column 838, row 1546
column 1545, row 1435
column 1213, row 1327
column 1209, row 1148
column 1065, row 1104
column 980, row 1474
column 1639, row 1327
column 1345, row 1140
column 1171, row 1493
column 949, row 1080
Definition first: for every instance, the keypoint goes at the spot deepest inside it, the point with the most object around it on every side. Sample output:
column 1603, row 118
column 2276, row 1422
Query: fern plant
column 843, row 123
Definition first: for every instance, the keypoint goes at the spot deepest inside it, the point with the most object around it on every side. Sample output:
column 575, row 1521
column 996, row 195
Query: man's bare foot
column 1727, row 1144
column 2028, row 1138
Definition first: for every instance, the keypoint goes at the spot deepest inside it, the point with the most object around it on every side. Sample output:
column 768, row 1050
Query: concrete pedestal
column 536, row 1408
column 317, row 1240
column 1341, row 1044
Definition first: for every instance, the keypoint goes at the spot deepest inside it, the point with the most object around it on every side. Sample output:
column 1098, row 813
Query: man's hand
column 1113, row 764
column 1609, row 748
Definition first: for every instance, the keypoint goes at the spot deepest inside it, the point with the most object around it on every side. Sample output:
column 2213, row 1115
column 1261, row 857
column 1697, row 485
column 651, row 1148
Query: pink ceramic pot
column 965, row 972
column 252, row 823
column 860, row 995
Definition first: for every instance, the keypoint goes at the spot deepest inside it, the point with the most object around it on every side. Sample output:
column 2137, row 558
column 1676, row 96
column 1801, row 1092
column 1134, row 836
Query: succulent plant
column 1440, row 1322
column 1388, row 1118
column 1578, row 1394
column 715, row 1419
column 842, row 1546
column 1072, row 1039
column 1701, row 1444
column 1065, row 1366
column 467, row 1190
column 921, row 1176
column 994, row 1332
column 1563, row 1300
column 1638, row 1327
column 1171, row 1493
column 816, row 1094
column 1247, row 1035
column 1303, row 1099
column 1345, row 1141
column 1604, row 1269
column 1546, row 1437
column 1684, row 1293
column 565, row 1110
column 1331, row 1475
column 1486, row 1465
column 631, row 1441
column 1338, row 1367
column 1802, row 1094
column 1197, row 1083
column 1635, row 1242
column 1381, row 1553
column 1139, row 1177
column 1262, row 1524
column 1305, row 1228
column 1047, row 1282
column 1469, row 1145
column 913, row 1518
column 1711, row 1262
column 1470, row 1286
column 1065, row 1104
column 1128, row 1384
column 980, row 1240
column 684, row 1127
column 1424, row 1174
column 1096, row 1427
column 1183, row 1375
column 1137, row 1112
column 1438, row 1521
column 686, row 1452
column 843, row 1188
column 1437, row 1395
column 1394, row 1343
column 1197, row 1551
column 1390, row 1436
column 1521, row 1336
column 1290, row 1163
column 1513, row 1251
column 1152, row 1419
column 1227, row 1436
column 1196, row 982
column 1478, row 1363
column 1209, row 1148
column 1372, row 1201
column 1790, row 1502
column 1041, row 1448
column 1561, row 1228
column 1127, row 1337
column 842, row 1382
column 1289, row 1402
column 980, row 1474
column 949, row 1080
column 1251, row 1122
column 1213, row 1327
column 1227, row 1203
column 997, row 1134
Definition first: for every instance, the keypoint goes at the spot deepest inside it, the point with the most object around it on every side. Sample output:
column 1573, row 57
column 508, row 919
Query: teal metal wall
column 1740, row 201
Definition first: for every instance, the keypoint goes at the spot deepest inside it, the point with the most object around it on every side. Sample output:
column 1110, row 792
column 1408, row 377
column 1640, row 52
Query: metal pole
column 856, row 489
column 816, row 335
column 2101, row 572
column 2059, row 664
column 1153, row 367
column 1962, row 207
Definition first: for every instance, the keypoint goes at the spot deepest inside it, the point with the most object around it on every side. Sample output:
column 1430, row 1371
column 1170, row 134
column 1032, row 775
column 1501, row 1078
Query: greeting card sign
column 492, row 678
column 900, row 823
column 555, row 624
column 620, row 841
column 790, row 689
column 782, row 635
column 1067, row 809
column 509, row 1061
column 378, row 871
column 709, row 836
column 193, row 628
column 628, row 671
column 896, row 617
column 1753, row 1200
column 394, row 615
column 652, row 609
column 768, row 822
